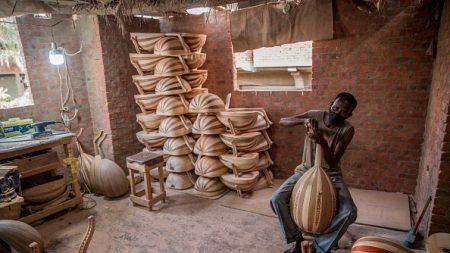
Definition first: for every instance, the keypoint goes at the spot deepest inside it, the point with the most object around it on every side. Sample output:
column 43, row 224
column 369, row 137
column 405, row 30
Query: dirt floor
column 184, row 224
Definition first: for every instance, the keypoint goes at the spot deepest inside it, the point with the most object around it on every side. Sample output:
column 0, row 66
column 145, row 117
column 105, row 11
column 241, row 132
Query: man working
column 333, row 133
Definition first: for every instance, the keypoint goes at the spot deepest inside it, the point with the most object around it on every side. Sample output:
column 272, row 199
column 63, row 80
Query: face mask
column 334, row 118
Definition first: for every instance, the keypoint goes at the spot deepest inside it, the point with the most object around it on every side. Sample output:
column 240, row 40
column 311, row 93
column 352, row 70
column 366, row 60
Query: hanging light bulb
column 55, row 55
column 198, row 10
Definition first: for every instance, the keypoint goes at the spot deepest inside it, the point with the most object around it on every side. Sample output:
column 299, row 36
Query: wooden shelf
column 38, row 170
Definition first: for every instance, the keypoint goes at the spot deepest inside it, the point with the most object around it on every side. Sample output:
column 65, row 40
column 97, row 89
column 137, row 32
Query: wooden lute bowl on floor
column 209, row 187
column 374, row 244
column 313, row 199
column 19, row 235
column 180, row 181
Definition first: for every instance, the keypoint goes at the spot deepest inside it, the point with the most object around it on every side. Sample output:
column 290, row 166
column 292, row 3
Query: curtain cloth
column 267, row 25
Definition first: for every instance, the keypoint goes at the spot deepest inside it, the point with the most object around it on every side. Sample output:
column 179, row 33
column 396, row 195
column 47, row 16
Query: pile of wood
column 249, row 160
column 168, row 80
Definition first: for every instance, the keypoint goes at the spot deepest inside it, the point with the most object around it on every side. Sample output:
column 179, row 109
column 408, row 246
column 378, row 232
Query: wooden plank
column 12, row 149
column 31, row 164
column 51, row 210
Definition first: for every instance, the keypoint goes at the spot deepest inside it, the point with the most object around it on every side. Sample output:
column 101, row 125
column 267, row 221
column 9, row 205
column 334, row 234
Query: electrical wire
column 64, row 110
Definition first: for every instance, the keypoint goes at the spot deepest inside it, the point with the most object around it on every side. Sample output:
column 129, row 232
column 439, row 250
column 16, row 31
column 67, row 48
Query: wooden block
column 147, row 158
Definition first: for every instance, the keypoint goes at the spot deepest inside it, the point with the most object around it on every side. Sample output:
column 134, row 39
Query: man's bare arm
column 294, row 120
column 334, row 158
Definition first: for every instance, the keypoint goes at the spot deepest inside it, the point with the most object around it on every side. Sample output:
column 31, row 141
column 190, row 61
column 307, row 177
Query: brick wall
column 379, row 58
column 120, row 90
column 43, row 76
column 434, row 173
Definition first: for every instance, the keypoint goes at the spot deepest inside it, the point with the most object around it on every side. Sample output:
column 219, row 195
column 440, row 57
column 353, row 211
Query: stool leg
column 132, row 185
column 161, row 182
column 148, row 187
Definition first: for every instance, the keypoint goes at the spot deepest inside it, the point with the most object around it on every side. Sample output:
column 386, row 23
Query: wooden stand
column 144, row 162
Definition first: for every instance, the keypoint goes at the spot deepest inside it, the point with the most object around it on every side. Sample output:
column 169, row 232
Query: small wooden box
column 11, row 210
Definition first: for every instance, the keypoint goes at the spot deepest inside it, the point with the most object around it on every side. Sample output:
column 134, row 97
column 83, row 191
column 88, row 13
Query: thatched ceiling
column 101, row 7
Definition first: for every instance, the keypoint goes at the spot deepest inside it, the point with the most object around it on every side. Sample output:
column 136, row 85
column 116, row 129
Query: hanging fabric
column 276, row 24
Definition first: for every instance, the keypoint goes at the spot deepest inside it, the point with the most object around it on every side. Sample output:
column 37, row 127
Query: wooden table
column 13, row 149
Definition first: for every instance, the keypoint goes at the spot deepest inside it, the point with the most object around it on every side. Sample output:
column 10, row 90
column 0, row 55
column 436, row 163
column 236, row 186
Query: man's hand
column 313, row 132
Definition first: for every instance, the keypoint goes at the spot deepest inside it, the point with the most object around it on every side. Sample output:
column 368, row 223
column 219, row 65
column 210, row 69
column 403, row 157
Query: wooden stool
column 144, row 162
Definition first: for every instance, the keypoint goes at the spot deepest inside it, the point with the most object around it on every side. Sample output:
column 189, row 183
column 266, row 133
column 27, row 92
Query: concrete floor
column 185, row 224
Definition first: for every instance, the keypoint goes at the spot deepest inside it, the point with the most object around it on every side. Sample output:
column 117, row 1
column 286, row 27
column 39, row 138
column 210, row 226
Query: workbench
column 16, row 149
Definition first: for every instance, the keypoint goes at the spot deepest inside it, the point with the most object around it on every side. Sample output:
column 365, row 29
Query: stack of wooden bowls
column 168, row 79
column 248, row 159
column 209, row 146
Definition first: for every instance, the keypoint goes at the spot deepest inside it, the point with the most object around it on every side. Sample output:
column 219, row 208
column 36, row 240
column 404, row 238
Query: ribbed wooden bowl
column 194, row 41
column 264, row 161
column 262, row 182
column 210, row 166
column 313, row 201
column 194, row 92
column 243, row 163
column 146, row 63
column 238, row 120
column 210, row 145
column 206, row 103
column 172, row 86
column 374, row 244
column 146, row 84
column 145, row 42
column 151, row 140
column 154, row 173
column 178, row 146
column 45, row 192
column 194, row 60
column 170, row 46
column 148, row 103
column 191, row 116
column 171, row 66
column 209, row 187
column 172, row 106
column 175, row 126
column 180, row 163
column 247, row 142
column 245, row 182
column 179, row 181
column 196, row 78
column 19, row 235
column 262, row 122
column 208, row 124
column 149, row 122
